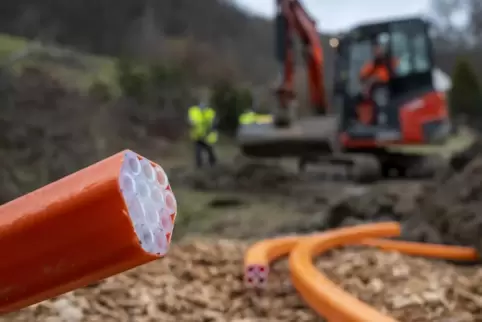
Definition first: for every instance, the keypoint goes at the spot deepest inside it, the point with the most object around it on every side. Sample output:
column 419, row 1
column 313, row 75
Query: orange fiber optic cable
column 260, row 255
column 455, row 253
column 107, row 218
column 321, row 294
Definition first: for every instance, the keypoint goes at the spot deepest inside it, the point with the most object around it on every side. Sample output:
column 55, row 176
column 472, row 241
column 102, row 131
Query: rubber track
column 322, row 295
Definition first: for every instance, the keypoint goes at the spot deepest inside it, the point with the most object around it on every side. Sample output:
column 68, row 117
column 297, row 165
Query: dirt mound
column 203, row 281
column 453, row 207
column 386, row 201
column 352, row 205
column 446, row 210
column 460, row 160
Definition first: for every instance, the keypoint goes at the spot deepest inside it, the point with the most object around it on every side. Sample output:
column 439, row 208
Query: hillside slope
column 216, row 33
column 94, row 26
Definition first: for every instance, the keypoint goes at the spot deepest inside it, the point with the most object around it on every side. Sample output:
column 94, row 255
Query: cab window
column 409, row 45
column 402, row 53
column 360, row 53
column 421, row 53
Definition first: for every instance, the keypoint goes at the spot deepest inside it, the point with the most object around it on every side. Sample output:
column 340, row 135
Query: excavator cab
column 372, row 124
column 405, row 108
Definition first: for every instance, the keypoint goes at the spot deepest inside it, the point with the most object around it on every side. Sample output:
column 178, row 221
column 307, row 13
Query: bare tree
column 451, row 21
column 476, row 19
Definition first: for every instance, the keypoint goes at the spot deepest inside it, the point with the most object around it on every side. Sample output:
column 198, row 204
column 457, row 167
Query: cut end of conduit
column 150, row 202
column 256, row 276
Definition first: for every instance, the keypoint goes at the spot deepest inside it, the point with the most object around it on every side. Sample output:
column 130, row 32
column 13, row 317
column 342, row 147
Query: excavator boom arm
column 293, row 18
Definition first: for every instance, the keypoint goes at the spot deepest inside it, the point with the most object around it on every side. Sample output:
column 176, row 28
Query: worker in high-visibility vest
column 251, row 117
column 203, row 132
column 247, row 117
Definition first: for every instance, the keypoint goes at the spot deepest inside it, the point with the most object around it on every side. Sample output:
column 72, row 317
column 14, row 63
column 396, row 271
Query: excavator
column 409, row 111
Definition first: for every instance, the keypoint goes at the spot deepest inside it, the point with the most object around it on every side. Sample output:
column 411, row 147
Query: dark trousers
column 201, row 148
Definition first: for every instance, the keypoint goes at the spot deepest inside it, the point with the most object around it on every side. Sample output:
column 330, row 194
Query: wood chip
column 202, row 280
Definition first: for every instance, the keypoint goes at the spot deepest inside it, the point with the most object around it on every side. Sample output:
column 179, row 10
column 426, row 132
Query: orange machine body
column 430, row 107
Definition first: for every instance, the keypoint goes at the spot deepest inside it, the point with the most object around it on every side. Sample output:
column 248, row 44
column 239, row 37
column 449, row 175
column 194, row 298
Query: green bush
column 167, row 83
column 164, row 76
column 229, row 103
column 133, row 82
column 148, row 84
column 101, row 91
column 465, row 97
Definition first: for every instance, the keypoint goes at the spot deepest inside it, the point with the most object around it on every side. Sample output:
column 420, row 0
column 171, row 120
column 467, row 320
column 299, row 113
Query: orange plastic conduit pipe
column 323, row 296
column 330, row 301
column 456, row 253
column 107, row 218
column 260, row 255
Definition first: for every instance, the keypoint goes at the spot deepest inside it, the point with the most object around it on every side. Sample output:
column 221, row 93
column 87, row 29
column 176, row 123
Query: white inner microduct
column 150, row 204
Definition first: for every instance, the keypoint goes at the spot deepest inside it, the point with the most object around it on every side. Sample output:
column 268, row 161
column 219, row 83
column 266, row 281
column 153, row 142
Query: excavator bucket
column 307, row 136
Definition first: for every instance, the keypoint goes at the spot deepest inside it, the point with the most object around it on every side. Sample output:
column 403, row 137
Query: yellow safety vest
column 264, row 118
column 247, row 118
column 254, row 118
column 202, row 121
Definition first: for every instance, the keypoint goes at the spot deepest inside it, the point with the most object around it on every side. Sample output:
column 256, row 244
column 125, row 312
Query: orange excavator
column 407, row 110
